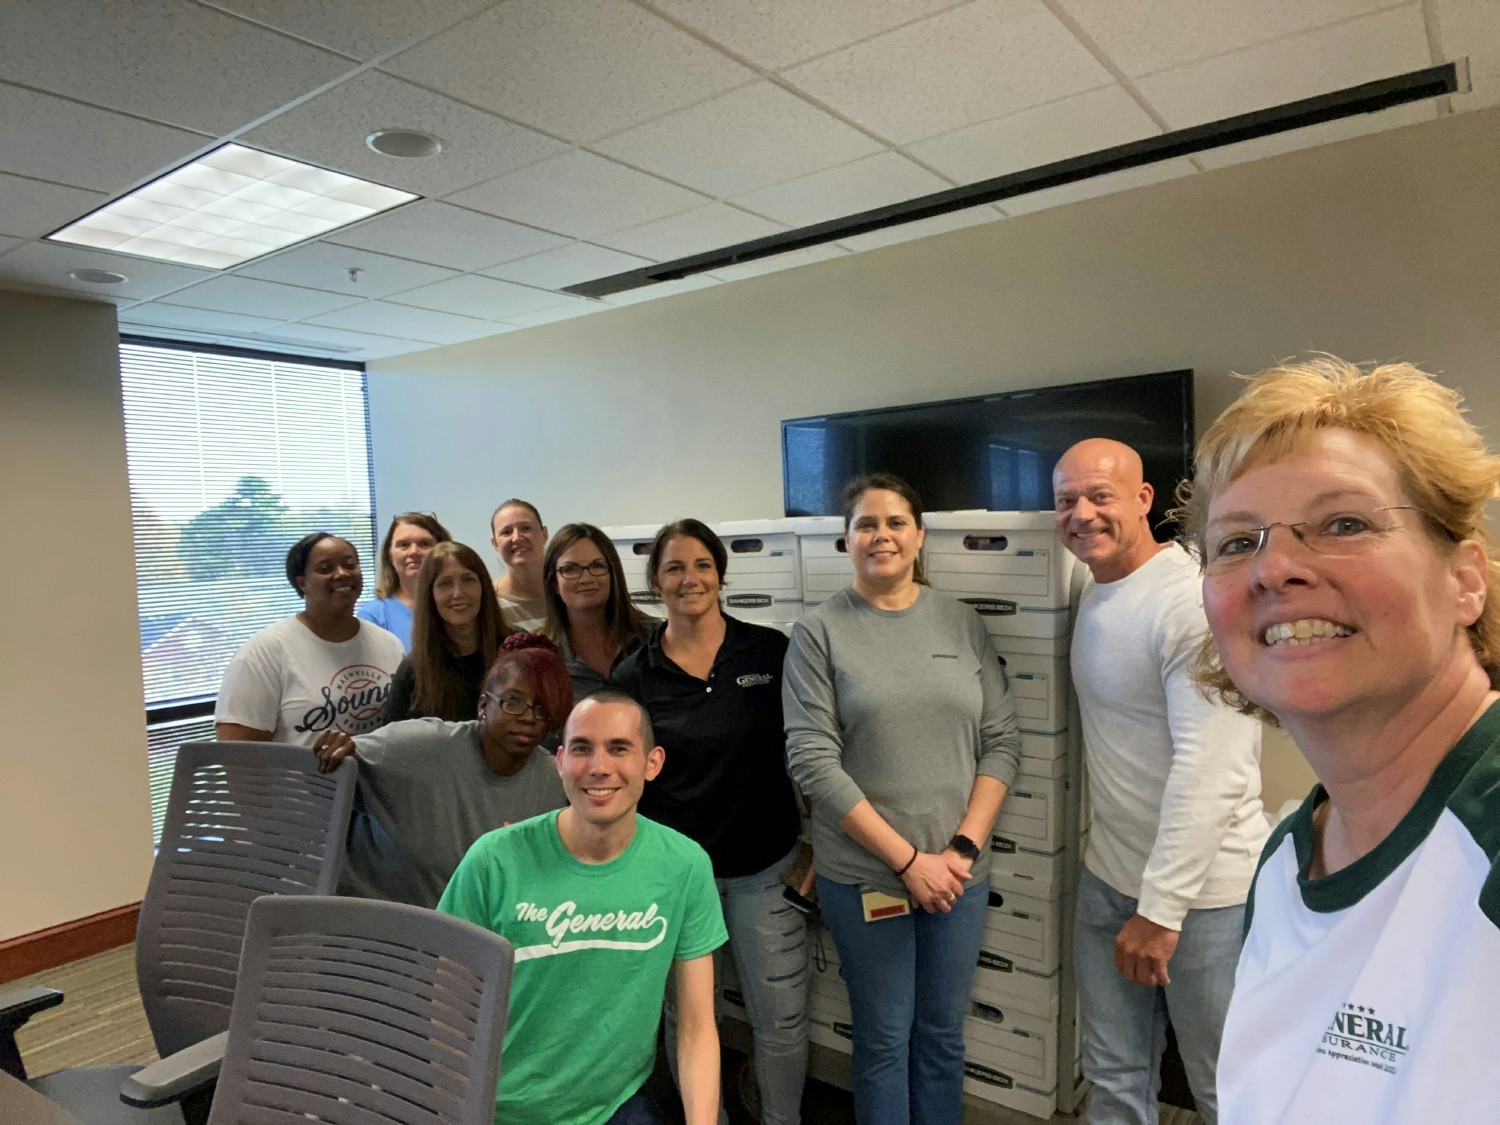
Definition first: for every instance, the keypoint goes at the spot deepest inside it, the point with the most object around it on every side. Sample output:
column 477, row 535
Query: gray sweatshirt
column 901, row 708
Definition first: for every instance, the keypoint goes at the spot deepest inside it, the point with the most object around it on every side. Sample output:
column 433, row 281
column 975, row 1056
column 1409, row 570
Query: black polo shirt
column 724, row 783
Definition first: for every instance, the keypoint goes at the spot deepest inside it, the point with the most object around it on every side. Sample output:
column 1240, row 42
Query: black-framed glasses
column 515, row 705
column 598, row 568
column 1341, row 533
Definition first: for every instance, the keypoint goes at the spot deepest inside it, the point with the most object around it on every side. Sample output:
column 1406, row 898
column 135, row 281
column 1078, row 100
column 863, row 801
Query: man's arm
column 697, row 1040
column 1215, row 752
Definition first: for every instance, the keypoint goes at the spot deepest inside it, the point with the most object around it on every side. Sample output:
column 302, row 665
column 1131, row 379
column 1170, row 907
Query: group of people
column 620, row 797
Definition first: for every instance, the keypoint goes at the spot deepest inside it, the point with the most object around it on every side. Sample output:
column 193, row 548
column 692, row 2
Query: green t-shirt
column 594, row 943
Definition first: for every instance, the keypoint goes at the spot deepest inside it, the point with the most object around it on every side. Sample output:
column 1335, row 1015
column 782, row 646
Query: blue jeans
column 1125, row 1025
column 909, row 981
column 639, row 1109
column 768, row 940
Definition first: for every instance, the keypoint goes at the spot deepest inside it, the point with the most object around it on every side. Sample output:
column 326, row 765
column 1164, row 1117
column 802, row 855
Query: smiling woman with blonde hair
column 1351, row 592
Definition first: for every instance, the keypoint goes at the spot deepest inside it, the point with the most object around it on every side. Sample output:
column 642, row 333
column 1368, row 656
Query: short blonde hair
column 1444, row 465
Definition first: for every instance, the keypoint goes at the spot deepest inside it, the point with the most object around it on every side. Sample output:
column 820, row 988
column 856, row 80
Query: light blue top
column 389, row 613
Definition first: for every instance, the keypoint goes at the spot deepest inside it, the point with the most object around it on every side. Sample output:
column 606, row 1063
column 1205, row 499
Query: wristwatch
column 965, row 847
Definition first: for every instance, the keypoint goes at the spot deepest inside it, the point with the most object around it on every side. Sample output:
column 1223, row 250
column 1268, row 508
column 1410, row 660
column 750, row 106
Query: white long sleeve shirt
column 1174, row 781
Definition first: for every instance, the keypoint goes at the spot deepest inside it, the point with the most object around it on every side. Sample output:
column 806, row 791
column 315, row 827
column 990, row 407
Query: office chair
column 357, row 1011
column 244, row 819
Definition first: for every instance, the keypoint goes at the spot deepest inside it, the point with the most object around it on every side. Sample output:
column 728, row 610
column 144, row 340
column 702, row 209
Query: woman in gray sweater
column 902, row 733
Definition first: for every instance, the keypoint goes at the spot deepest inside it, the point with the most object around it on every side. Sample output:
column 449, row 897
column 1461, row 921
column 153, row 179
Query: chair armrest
column 20, row 1004
column 176, row 1076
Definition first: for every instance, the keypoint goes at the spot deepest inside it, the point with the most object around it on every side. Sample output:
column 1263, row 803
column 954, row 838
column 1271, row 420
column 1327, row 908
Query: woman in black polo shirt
column 712, row 686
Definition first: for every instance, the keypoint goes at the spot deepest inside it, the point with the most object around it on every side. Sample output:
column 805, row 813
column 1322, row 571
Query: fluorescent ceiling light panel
column 228, row 207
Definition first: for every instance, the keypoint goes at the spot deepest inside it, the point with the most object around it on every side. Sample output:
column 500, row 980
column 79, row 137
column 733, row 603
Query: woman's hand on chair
column 332, row 747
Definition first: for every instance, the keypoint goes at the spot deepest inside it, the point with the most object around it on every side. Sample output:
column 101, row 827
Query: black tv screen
column 992, row 451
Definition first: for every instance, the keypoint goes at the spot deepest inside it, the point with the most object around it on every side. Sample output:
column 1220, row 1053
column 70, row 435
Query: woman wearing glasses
column 456, row 632
column 1350, row 587
column 590, row 616
column 407, row 541
column 712, row 686
column 428, row 789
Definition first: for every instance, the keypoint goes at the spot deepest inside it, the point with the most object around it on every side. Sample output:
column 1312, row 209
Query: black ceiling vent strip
column 1371, row 97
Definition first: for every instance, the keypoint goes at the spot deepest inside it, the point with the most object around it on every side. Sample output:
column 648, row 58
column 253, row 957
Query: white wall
column 1378, row 248
column 75, row 802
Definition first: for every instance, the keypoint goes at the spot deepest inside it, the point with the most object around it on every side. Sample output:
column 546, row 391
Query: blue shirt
column 391, row 614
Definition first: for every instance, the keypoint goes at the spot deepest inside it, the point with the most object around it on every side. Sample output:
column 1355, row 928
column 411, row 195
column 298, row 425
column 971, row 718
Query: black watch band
column 965, row 847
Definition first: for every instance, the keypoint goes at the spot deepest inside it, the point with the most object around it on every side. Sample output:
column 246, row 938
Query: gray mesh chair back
column 244, row 819
column 358, row 1011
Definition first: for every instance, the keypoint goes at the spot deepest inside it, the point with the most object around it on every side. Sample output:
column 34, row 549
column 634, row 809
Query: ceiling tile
column 330, row 130
column 579, row 71
column 48, row 263
column 790, row 260
column 748, row 138
column 1299, row 67
column 447, row 236
column 322, row 265
column 1142, row 36
column 353, row 343
column 152, row 314
column 480, row 296
column 567, row 265
column 259, row 298
column 1071, row 127
column 707, row 228
column 167, row 60
column 52, row 139
column 965, row 65
column 777, row 33
column 1472, row 28
column 410, row 323
column 662, row 289
column 359, row 28
column 1327, row 133
column 922, row 228
column 872, row 182
column 580, row 194
column 572, row 309
column 30, row 208
column 1102, row 185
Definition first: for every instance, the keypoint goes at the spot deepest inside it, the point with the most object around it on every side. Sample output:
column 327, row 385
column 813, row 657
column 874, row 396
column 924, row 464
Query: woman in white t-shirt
column 320, row 670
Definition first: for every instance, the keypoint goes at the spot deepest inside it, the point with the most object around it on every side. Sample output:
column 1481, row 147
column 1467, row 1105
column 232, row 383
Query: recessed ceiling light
column 408, row 144
column 228, row 207
column 98, row 277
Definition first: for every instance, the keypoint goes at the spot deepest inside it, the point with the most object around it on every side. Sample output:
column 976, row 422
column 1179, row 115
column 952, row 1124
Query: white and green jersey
column 1373, row 994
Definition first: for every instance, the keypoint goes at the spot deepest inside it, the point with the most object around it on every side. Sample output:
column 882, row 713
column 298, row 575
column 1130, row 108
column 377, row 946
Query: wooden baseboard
column 47, row 949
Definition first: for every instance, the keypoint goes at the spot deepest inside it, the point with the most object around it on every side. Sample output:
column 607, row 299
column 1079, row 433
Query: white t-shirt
column 1174, row 780
column 1373, row 994
column 288, row 680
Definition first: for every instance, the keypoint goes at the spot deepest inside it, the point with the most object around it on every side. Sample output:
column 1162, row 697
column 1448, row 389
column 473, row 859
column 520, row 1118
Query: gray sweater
column 902, row 708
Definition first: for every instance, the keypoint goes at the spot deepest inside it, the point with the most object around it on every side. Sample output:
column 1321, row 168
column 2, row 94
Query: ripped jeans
column 768, row 940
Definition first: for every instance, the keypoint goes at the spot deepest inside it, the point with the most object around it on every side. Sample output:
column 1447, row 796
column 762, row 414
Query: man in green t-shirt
column 599, row 903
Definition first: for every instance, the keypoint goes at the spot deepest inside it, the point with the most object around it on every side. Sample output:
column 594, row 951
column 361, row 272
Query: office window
column 233, row 457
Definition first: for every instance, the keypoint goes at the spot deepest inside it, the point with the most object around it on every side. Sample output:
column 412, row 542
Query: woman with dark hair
column 428, row 789
column 456, row 632
column 407, row 542
column 590, row 616
column 902, row 733
column 320, row 670
column 711, row 685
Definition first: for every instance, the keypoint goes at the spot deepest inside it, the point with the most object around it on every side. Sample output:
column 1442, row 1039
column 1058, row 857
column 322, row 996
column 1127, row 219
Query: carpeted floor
column 102, row 1023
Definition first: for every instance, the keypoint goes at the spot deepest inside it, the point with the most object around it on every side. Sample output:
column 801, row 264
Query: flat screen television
column 992, row 451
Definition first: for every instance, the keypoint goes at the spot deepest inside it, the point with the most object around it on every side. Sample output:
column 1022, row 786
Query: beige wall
column 1377, row 248
column 75, row 807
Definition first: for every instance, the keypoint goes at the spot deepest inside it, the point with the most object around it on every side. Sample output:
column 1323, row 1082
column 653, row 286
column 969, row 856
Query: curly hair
column 537, row 659
column 1441, row 460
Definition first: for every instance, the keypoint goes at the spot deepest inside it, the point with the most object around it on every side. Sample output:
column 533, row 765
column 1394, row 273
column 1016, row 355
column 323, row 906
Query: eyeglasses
column 515, row 705
column 1342, row 533
column 598, row 568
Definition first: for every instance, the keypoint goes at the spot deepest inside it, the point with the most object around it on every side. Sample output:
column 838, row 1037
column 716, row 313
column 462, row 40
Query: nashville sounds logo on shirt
column 351, row 701
column 633, row 930
column 1357, row 1035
